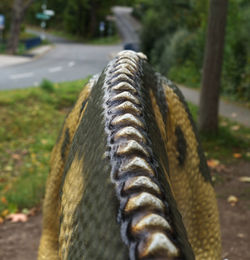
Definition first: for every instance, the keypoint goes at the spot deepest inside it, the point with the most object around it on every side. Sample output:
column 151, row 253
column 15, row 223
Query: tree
column 18, row 12
column 212, row 66
column 82, row 17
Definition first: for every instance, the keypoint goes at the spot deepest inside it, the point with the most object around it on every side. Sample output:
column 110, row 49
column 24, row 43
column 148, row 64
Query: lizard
column 128, row 178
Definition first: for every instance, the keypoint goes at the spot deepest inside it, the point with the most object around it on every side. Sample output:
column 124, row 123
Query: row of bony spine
column 147, row 230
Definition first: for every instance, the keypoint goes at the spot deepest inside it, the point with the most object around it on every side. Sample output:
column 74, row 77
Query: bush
column 47, row 86
column 173, row 37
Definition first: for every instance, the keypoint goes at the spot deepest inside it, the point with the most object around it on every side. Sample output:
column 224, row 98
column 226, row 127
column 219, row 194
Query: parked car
column 134, row 46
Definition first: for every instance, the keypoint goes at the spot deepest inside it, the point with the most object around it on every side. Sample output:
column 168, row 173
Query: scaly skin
column 128, row 176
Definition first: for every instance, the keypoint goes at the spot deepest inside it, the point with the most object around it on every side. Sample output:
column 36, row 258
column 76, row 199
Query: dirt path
column 235, row 224
column 19, row 241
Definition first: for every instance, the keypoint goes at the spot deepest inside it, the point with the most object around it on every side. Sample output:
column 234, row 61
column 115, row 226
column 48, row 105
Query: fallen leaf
column 241, row 235
column 24, row 152
column 25, row 211
column 221, row 167
column 4, row 201
column 234, row 115
column 232, row 200
column 17, row 217
column 235, row 127
column 7, row 187
column 244, row 179
column 237, row 155
column 2, row 180
column 33, row 211
column 4, row 213
column 212, row 163
column 8, row 168
column 16, row 156
column 44, row 141
column 224, row 123
column 1, row 220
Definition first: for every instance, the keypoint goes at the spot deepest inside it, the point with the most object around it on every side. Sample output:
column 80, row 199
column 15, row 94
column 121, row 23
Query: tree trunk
column 93, row 19
column 212, row 66
column 18, row 12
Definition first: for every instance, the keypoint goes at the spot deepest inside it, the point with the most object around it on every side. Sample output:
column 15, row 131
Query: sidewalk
column 9, row 60
column 228, row 109
column 41, row 50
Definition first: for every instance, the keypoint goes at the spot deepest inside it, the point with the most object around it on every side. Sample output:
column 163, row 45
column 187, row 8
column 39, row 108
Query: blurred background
column 50, row 48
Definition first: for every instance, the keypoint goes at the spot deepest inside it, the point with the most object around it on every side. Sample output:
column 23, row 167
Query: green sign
column 42, row 16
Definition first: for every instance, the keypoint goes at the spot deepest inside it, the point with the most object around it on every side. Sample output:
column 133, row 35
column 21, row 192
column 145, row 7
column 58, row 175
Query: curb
column 35, row 53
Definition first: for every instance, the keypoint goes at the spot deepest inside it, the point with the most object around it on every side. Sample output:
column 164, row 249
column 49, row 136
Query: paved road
column 68, row 60
column 64, row 62
column 49, row 37
column 227, row 109
column 127, row 25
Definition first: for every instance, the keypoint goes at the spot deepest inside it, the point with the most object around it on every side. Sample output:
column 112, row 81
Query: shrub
column 47, row 86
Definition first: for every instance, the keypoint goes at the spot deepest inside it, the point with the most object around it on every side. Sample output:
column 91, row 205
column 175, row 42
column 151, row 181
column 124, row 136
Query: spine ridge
column 145, row 226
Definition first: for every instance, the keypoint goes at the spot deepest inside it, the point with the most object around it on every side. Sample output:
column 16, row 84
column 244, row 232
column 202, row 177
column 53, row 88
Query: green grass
column 186, row 74
column 20, row 49
column 115, row 39
column 108, row 40
column 231, row 139
column 25, row 35
column 68, row 36
column 31, row 120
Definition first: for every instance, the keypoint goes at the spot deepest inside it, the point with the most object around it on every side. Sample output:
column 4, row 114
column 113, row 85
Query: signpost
column 49, row 12
column 2, row 21
column 44, row 16
column 2, row 25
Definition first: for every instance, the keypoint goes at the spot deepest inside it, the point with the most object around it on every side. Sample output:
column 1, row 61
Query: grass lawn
column 231, row 143
column 108, row 40
column 31, row 119
column 30, row 122
column 114, row 39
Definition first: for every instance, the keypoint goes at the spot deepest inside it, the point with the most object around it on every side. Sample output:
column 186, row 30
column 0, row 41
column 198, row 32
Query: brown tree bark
column 18, row 12
column 93, row 18
column 212, row 66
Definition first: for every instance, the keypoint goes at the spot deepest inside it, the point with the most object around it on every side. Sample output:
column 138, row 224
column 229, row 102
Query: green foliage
column 185, row 73
column 20, row 48
column 173, row 37
column 83, row 17
column 115, row 39
column 47, row 85
column 236, row 75
column 78, row 17
column 231, row 138
column 5, row 9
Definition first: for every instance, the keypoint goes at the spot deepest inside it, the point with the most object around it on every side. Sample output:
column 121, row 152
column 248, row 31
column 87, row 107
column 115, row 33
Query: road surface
column 64, row 62
column 128, row 26
column 68, row 60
